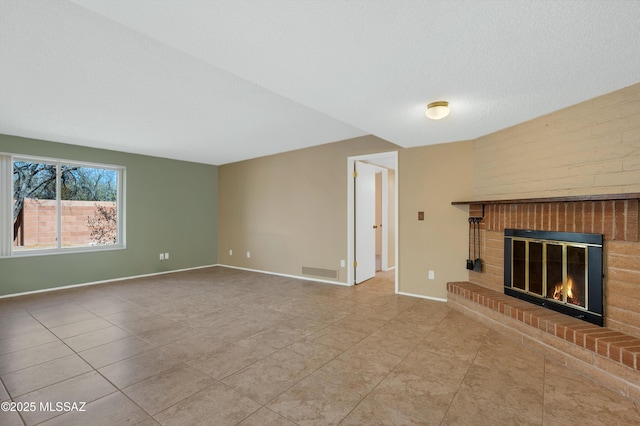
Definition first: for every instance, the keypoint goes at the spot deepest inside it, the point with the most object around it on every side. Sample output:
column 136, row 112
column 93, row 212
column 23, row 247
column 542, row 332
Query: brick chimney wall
column 618, row 220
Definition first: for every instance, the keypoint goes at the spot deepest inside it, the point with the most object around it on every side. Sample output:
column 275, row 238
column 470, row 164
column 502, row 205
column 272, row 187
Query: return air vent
column 319, row 272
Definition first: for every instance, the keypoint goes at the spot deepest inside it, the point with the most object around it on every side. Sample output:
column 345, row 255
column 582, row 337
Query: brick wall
column 619, row 222
column 40, row 222
column 590, row 148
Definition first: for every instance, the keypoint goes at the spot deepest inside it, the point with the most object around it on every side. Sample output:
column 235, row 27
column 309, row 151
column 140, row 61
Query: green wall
column 171, row 206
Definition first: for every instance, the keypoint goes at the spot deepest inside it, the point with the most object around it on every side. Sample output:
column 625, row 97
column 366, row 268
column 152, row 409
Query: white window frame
column 6, row 206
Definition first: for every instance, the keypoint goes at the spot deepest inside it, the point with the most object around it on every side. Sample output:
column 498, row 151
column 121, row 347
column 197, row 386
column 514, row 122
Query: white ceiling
column 217, row 81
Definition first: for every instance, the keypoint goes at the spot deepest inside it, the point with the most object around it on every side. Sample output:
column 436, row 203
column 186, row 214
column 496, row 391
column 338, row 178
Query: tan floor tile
column 337, row 337
column 167, row 388
column 167, row 334
column 313, row 401
column 301, row 326
column 379, row 312
column 497, row 397
column 113, row 409
column 445, row 343
column 193, row 347
column 392, row 329
column 414, row 321
column 265, row 379
column 10, row 418
column 80, row 327
column 18, row 325
column 149, row 421
column 107, row 305
column 306, row 355
column 358, row 375
column 445, row 369
column 219, row 318
column 139, row 367
column 24, row 341
column 95, row 338
column 130, row 315
column 186, row 310
column 216, row 405
column 360, row 323
column 111, row 352
column 322, row 314
column 225, row 360
column 566, row 393
column 374, row 351
column 266, row 417
column 152, row 322
column 458, row 325
column 45, row 374
column 84, row 388
column 267, row 341
column 66, row 314
column 370, row 413
column 240, row 329
column 415, row 396
column 33, row 356
column 368, row 329
column 4, row 395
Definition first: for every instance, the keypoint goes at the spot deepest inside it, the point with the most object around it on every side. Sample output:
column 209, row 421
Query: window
column 59, row 206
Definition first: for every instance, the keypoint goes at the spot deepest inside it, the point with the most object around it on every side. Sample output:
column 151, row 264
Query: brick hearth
column 609, row 355
column 606, row 356
column 617, row 218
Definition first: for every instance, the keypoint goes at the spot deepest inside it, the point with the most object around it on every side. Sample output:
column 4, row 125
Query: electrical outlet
column 166, row 256
column 161, row 256
column 230, row 252
column 248, row 254
column 432, row 275
column 342, row 263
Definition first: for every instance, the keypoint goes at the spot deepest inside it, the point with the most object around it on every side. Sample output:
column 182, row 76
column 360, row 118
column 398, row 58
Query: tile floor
column 220, row 346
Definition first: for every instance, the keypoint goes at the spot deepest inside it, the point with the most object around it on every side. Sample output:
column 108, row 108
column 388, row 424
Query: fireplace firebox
column 558, row 270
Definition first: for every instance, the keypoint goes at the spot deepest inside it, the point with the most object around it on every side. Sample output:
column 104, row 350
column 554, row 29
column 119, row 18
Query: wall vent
column 319, row 272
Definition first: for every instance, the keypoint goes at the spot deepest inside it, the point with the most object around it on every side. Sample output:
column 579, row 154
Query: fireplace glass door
column 556, row 271
column 550, row 272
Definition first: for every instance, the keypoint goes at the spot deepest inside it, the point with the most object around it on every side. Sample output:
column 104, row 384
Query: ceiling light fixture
column 437, row 110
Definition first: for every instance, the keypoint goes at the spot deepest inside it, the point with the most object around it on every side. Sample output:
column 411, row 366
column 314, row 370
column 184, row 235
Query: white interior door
column 365, row 220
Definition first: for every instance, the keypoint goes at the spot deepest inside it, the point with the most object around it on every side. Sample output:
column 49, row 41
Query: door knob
column 375, row 226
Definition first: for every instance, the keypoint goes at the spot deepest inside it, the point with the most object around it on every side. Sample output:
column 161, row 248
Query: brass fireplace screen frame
column 589, row 306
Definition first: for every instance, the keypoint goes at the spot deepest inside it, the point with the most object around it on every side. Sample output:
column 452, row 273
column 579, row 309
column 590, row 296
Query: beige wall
column 589, row 148
column 289, row 210
column 430, row 178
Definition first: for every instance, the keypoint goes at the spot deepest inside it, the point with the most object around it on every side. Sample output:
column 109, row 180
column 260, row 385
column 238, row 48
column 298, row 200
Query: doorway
column 379, row 230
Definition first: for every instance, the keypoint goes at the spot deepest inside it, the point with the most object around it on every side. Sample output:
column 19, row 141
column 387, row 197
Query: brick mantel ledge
column 608, row 357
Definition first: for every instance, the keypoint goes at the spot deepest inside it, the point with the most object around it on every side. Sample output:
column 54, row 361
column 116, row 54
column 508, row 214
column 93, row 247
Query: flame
column 569, row 288
column 557, row 293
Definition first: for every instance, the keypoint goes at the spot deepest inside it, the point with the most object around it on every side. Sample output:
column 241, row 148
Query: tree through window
column 61, row 205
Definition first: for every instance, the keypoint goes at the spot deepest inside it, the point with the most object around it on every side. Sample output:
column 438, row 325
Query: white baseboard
column 44, row 290
column 298, row 277
column 436, row 299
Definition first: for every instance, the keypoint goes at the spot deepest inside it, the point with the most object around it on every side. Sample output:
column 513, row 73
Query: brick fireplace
column 610, row 355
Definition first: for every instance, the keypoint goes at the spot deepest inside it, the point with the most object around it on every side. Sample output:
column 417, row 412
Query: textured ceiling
column 220, row 81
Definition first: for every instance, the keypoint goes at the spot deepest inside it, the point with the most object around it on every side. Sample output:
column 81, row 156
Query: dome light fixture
column 437, row 110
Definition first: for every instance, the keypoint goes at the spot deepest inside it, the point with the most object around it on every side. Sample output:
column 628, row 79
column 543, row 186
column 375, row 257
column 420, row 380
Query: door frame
column 390, row 159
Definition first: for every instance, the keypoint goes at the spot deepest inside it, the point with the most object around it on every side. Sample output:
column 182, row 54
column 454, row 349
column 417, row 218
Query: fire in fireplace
column 559, row 270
